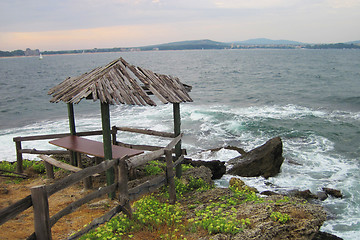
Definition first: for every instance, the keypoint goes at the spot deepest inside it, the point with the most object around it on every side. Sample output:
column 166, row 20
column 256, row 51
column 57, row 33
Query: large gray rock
column 217, row 167
column 265, row 161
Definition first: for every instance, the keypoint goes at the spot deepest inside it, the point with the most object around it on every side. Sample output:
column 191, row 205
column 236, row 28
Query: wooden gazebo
column 121, row 83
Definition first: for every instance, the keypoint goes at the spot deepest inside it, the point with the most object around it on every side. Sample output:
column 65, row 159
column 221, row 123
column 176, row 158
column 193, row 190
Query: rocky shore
column 303, row 207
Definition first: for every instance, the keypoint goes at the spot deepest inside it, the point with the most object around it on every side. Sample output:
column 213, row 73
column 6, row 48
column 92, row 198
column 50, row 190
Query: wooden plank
column 40, row 137
column 138, row 147
column 59, row 164
column 146, row 131
column 75, row 177
column 78, row 203
column 54, row 136
column 147, row 187
column 41, row 213
column 142, row 159
column 139, row 160
column 47, row 152
column 179, row 160
column 13, row 210
column 172, row 144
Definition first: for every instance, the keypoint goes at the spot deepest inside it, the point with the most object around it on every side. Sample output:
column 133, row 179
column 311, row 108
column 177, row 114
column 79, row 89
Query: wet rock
column 217, row 167
column 322, row 196
column 269, row 193
column 265, row 161
column 325, row 236
column 306, row 194
column 333, row 192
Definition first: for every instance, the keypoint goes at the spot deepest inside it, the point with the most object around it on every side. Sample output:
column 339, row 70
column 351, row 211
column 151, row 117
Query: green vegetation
column 157, row 167
column 36, row 166
column 154, row 168
column 280, row 217
column 154, row 216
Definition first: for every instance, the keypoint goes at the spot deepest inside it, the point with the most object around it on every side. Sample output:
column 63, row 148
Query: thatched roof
column 121, row 83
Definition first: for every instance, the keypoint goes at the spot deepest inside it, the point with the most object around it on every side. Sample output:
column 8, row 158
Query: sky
column 87, row 24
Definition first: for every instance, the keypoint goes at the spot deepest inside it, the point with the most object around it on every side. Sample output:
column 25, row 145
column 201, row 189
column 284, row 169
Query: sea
column 243, row 98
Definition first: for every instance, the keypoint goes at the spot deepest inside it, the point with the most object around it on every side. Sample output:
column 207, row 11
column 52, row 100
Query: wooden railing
column 40, row 194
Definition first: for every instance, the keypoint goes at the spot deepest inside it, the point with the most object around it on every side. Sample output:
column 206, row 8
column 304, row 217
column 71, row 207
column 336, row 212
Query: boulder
column 199, row 172
column 217, row 167
column 305, row 194
column 333, row 192
column 240, row 185
column 265, row 161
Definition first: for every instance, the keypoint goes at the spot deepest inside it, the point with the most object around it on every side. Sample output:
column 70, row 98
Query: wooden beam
column 71, row 116
column 105, row 120
column 170, row 176
column 177, row 132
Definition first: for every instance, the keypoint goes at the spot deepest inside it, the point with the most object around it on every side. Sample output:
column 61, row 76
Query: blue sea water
column 310, row 98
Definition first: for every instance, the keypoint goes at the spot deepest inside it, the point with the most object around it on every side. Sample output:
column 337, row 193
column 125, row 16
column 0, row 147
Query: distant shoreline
column 191, row 45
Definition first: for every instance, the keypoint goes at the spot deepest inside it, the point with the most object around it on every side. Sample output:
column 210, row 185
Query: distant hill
column 188, row 45
column 353, row 42
column 199, row 44
column 265, row 41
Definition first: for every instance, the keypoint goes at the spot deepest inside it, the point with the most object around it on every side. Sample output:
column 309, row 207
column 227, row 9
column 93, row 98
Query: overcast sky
column 84, row 24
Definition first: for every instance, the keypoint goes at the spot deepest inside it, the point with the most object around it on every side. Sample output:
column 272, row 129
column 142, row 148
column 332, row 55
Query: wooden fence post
column 19, row 158
column 49, row 170
column 41, row 213
column 123, row 187
column 170, row 176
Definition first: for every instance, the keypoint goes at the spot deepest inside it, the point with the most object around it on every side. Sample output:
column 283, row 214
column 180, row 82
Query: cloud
column 344, row 3
column 123, row 23
column 258, row 4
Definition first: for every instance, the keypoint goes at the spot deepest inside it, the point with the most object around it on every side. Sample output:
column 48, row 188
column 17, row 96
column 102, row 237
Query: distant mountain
column 187, row 45
column 265, row 41
column 353, row 42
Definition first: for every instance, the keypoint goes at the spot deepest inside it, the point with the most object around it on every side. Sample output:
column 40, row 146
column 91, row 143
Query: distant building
column 29, row 52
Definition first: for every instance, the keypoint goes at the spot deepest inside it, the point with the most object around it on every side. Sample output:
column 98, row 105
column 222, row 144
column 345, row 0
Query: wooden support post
column 49, row 170
column 78, row 157
column 113, row 133
column 19, row 158
column 123, row 187
column 71, row 115
column 88, row 183
column 170, row 176
column 41, row 213
column 177, row 131
column 105, row 119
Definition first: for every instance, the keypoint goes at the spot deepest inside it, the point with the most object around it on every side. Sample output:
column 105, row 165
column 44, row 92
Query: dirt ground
column 22, row 225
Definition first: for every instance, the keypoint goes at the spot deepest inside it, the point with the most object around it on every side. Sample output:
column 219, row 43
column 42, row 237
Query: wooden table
column 94, row 148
